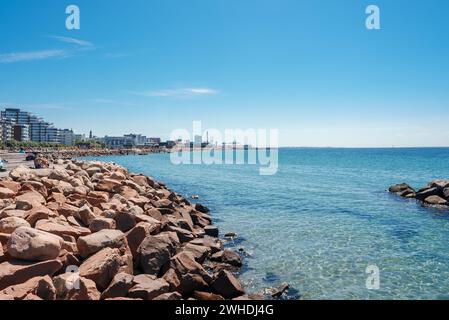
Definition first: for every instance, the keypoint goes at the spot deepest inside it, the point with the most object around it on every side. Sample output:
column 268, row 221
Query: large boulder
column 183, row 234
column 8, row 225
column 58, row 174
column 62, row 230
column 119, row 286
column 157, row 250
column 228, row 256
column 125, row 221
column 169, row 296
column 6, row 193
column 18, row 271
column 149, row 289
column 95, row 242
column 435, row 200
column 86, row 215
column 70, row 286
column 211, row 231
column 96, row 198
column 29, row 200
column 41, row 287
column 11, row 185
column 397, row 188
column 108, row 185
column 102, row 267
column 199, row 253
column 40, row 213
column 191, row 274
column 227, row 285
column 201, row 208
column 34, row 245
column 427, row 192
column 137, row 234
column 21, row 173
column 101, row 223
column 213, row 244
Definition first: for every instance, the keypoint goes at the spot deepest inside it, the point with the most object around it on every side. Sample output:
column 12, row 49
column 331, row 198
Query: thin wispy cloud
column 32, row 55
column 39, row 106
column 78, row 42
column 182, row 92
column 116, row 55
column 81, row 45
column 112, row 102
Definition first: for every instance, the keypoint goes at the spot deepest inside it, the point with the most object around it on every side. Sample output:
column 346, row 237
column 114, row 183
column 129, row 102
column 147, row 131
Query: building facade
column 20, row 125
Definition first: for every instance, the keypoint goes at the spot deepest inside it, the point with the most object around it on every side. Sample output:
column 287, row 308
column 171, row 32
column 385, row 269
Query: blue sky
column 308, row 68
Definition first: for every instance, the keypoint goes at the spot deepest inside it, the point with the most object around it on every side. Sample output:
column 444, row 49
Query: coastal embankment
column 89, row 230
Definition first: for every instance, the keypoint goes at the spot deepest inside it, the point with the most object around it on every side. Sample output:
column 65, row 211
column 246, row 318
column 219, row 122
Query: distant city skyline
column 310, row 69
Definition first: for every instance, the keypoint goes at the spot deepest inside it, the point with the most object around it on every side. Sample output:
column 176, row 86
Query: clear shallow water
column 324, row 218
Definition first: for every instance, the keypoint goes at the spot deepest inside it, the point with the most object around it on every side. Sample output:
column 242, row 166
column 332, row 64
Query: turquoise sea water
column 323, row 218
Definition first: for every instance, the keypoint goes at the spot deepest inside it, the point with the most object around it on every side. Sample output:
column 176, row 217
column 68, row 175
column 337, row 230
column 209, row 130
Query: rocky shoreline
column 435, row 193
column 53, row 154
column 89, row 230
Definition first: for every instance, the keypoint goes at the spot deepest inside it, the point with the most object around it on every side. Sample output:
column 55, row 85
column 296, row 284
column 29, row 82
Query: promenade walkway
column 14, row 160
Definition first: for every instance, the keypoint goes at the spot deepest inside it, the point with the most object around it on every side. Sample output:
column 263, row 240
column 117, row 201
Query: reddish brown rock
column 125, row 221
column 2, row 254
column 206, row 296
column 200, row 253
column 95, row 198
column 29, row 200
column 86, row 215
column 17, row 271
column 227, row 285
column 40, row 213
column 229, row 257
column 128, row 193
column 141, row 180
column 119, row 286
column 169, row 296
column 155, row 251
column 68, row 210
column 91, row 244
column 214, row 244
column 11, row 185
column 34, row 245
column 58, row 198
column 102, row 267
column 6, row 213
column 8, row 225
column 172, row 279
column 183, row 234
column 6, row 193
column 108, row 185
column 41, row 287
column 34, row 186
column 70, row 286
column 62, row 230
column 137, row 234
column 101, row 223
column 149, row 289
column 191, row 274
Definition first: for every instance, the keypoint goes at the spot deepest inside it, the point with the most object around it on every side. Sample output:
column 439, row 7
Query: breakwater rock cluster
column 435, row 193
column 91, row 230
column 54, row 155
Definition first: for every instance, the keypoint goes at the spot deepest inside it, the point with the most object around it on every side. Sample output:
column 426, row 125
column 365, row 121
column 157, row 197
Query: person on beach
column 40, row 162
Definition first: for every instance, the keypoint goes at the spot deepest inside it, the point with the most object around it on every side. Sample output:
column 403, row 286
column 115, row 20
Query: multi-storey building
column 24, row 126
